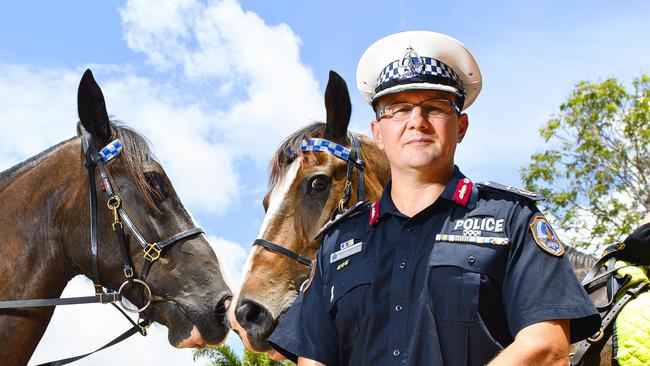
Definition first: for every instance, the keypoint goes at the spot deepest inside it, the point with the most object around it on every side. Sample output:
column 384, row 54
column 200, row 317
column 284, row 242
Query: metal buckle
column 99, row 290
column 128, row 272
column 148, row 296
column 152, row 248
column 143, row 329
column 597, row 337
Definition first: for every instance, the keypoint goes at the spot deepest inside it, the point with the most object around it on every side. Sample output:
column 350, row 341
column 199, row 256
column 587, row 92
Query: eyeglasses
column 431, row 109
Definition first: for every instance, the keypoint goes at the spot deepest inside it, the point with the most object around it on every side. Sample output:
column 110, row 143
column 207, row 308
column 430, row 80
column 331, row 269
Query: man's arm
column 543, row 343
column 307, row 362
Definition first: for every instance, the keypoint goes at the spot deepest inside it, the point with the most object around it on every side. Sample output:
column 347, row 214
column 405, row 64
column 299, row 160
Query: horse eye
column 318, row 183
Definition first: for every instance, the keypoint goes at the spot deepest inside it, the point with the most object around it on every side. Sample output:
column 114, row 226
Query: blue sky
column 217, row 85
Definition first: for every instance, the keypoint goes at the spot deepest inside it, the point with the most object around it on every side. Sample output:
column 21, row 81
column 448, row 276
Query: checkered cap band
column 111, row 150
column 327, row 146
column 397, row 70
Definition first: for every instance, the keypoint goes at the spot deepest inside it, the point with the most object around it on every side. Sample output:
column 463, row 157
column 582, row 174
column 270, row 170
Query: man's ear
column 375, row 127
column 463, row 124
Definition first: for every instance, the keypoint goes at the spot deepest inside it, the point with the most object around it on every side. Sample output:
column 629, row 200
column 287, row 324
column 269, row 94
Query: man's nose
column 417, row 118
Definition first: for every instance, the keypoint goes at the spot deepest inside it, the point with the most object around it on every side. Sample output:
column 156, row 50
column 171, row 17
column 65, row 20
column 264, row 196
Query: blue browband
column 315, row 144
column 111, row 150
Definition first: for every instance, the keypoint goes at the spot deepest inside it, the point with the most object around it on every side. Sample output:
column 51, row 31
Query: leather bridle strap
column 354, row 159
column 131, row 331
column 284, row 251
column 35, row 303
column 588, row 351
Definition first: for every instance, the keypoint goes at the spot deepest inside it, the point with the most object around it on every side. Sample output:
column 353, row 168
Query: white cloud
column 231, row 259
column 199, row 141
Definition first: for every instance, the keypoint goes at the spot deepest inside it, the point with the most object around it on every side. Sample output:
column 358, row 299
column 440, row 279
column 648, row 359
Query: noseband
column 353, row 158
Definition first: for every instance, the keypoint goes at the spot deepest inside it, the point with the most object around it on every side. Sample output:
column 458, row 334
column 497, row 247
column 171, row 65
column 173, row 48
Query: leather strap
column 35, row 303
column 588, row 352
column 131, row 331
column 284, row 251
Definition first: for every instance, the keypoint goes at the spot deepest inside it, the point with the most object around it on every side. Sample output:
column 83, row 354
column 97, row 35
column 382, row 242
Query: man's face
column 420, row 142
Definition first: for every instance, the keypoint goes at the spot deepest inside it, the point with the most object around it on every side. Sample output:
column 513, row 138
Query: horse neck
column 377, row 169
column 41, row 207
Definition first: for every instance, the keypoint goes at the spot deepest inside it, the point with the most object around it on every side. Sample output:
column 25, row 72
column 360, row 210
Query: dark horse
column 45, row 230
column 305, row 188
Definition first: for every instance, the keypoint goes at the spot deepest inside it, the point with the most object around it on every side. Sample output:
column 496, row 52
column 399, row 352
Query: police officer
column 441, row 270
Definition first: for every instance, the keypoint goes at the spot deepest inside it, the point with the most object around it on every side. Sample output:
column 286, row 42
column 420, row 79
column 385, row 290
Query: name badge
column 346, row 252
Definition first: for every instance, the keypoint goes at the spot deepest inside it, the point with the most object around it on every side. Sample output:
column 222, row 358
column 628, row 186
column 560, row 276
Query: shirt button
column 402, row 265
column 410, row 229
column 398, row 308
column 471, row 259
column 396, row 352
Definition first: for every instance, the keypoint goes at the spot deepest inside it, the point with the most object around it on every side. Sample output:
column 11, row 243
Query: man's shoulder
column 493, row 190
column 348, row 219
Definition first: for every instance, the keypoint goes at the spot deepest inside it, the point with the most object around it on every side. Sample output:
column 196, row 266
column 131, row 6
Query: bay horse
column 45, row 229
column 306, row 186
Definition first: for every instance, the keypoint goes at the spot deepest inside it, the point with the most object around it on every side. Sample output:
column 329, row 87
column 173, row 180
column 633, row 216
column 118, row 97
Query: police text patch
column 545, row 236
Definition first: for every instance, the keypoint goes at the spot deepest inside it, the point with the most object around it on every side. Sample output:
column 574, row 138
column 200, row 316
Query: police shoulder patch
column 545, row 236
column 511, row 190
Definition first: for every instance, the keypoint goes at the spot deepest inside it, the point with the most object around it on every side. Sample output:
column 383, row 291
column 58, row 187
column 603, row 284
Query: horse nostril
column 253, row 317
column 221, row 310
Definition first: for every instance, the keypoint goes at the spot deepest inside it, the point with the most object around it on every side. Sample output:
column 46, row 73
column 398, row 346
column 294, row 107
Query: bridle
column 353, row 158
column 151, row 251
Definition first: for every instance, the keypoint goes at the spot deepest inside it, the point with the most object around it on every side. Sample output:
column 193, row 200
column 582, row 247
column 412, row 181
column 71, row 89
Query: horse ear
column 92, row 109
column 338, row 107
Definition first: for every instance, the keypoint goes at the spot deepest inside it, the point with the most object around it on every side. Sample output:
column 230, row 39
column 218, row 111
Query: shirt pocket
column 348, row 290
column 455, row 273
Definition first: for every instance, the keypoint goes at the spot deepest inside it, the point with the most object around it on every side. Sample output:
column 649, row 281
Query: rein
column 151, row 251
column 354, row 159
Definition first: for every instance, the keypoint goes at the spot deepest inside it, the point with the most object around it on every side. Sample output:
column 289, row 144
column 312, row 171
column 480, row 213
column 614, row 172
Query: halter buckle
column 99, row 290
column 152, row 248
column 128, row 272
column 142, row 329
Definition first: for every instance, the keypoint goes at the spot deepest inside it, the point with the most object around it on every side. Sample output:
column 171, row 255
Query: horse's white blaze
column 275, row 203
column 277, row 195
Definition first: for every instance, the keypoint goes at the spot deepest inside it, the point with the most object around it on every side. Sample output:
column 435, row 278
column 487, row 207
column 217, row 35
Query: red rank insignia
column 374, row 213
column 463, row 191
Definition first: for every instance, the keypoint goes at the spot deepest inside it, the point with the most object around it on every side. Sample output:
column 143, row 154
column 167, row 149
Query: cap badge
column 413, row 63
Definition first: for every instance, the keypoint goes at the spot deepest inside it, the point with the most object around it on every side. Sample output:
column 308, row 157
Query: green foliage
column 595, row 169
column 223, row 355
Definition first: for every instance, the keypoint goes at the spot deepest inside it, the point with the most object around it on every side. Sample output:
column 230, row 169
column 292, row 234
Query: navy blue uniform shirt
column 414, row 291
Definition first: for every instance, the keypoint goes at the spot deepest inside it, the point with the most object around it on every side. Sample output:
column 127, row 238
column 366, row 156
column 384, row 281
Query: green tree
column 223, row 355
column 595, row 170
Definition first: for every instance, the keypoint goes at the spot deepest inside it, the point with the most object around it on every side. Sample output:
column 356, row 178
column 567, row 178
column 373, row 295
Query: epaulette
column 511, row 190
column 350, row 212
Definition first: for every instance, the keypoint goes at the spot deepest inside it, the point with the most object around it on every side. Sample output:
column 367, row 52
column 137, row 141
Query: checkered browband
column 420, row 68
column 111, row 150
column 326, row 146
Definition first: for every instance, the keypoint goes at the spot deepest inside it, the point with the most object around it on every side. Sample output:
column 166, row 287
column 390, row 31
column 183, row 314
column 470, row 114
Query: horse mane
column 136, row 153
column 290, row 148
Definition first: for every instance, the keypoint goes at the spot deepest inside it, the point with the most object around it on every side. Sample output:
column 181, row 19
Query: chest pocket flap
column 358, row 272
column 490, row 260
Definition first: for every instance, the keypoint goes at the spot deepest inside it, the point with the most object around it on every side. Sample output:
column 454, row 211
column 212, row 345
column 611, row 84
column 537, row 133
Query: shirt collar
column 386, row 205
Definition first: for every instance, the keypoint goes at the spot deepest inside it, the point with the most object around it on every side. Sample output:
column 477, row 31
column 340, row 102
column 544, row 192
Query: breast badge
column 545, row 236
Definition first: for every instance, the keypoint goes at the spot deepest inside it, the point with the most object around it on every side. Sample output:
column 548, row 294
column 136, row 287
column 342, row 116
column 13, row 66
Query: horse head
column 188, row 292
column 306, row 186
